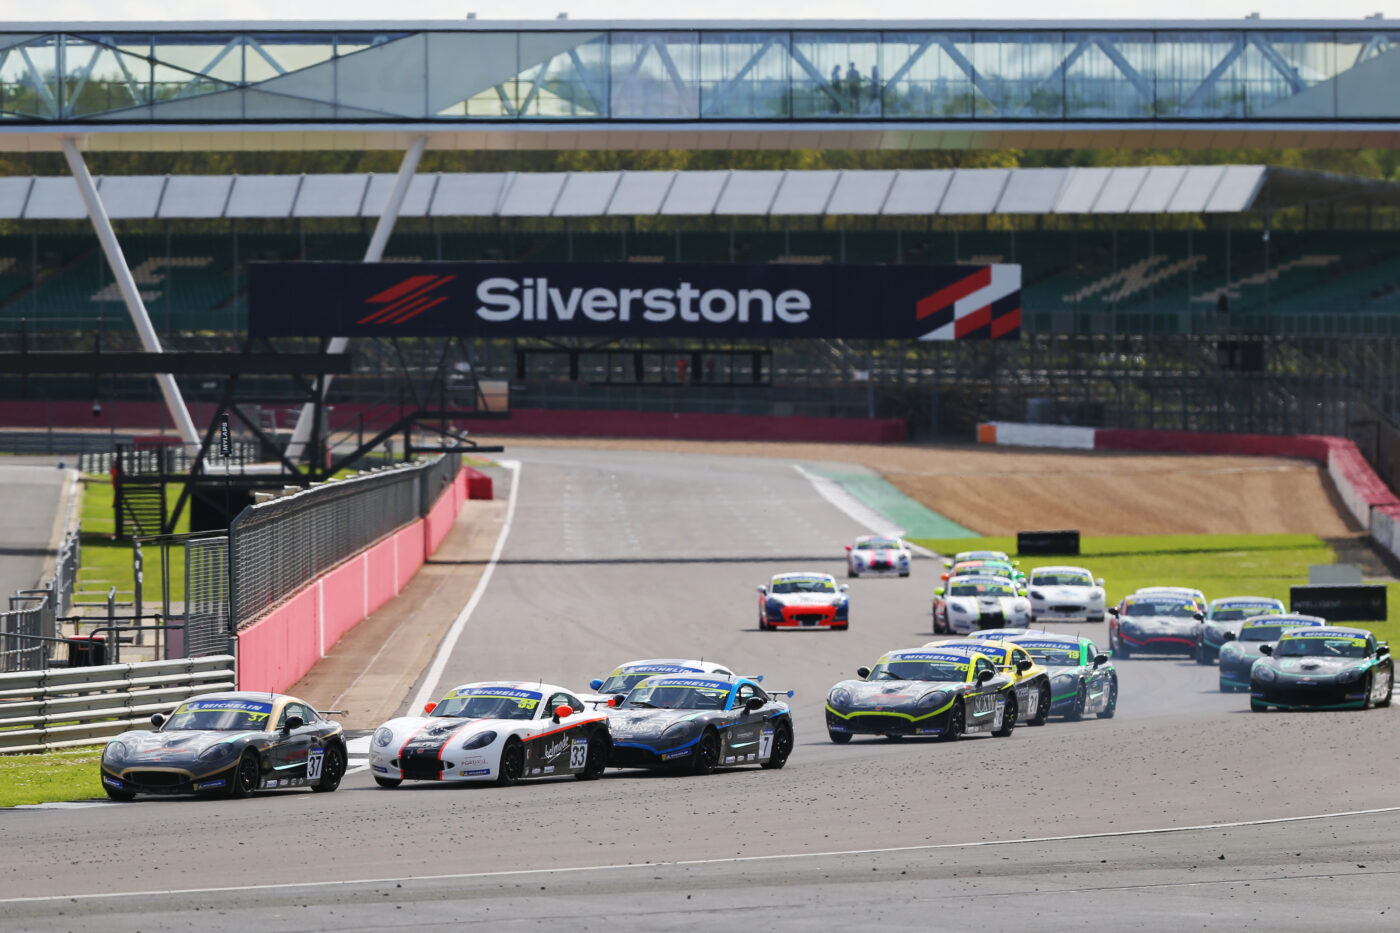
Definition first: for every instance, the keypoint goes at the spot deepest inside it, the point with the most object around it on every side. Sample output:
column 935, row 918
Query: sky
column 15, row 11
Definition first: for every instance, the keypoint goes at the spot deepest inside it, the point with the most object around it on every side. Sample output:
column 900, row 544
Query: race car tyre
column 387, row 782
column 332, row 769
column 1204, row 655
column 1120, row 649
column 1008, row 719
column 851, row 573
column 957, row 722
column 246, row 776
column 512, row 767
column 1370, row 690
column 840, row 738
column 707, row 752
column 1042, row 707
column 841, row 628
column 762, row 624
column 118, row 795
column 905, row 574
column 1258, row 707
column 599, row 751
column 1081, row 699
column 1386, row 701
column 1112, row 707
column 782, row 747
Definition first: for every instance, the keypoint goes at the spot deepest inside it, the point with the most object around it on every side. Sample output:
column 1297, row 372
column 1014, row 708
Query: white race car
column 626, row 676
column 498, row 731
column 972, row 603
column 879, row 555
column 803, row 600
column 1066, row 594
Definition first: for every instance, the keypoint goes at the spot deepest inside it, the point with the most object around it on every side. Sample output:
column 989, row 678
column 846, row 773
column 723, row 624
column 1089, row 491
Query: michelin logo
column 506, row 299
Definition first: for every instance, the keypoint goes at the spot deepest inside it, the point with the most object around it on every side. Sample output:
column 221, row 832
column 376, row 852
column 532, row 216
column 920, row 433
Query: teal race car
column 1239, row 654
column 1082, row 679
column 1323, row 668
column 1223, row 619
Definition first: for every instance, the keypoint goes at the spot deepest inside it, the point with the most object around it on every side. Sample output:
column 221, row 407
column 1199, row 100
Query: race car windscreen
column 677, row 696
column 919, row 670
column 980, row 589
column 1236, row 613
column 488, row 704
column 219, row 716
column 1054, row 655
column 621, row 683
column 1169, row 608
column 1061, row 578
column 1265, row 632
column 1321, row 647
column 878, row 544
column 803, row 585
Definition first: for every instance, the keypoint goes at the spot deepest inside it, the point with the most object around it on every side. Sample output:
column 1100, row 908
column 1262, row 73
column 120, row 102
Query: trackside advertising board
column 530, row 299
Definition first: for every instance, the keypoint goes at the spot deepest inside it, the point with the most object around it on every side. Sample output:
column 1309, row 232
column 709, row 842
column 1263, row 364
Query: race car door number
column 313, row 763
column 765, row 745
column 578, row 754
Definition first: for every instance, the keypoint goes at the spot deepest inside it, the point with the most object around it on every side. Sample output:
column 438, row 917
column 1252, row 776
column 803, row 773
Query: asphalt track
column 30, row 494
column 614, row 556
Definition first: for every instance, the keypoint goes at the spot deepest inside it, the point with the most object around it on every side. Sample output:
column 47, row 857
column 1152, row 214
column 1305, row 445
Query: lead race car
column 879, row 555
column 230, row 744
column 924, row 692
column 700, row 723
column 1065, row 594
column 1331, row 667
column 969, row 603
column 1083, row 681
column 500, row 731
column 1240, row 652
column 803, row 600
column 1223, row 619
column 628, row 675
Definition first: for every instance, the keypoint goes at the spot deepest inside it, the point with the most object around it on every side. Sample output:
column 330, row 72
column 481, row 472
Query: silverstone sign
column 611, row 300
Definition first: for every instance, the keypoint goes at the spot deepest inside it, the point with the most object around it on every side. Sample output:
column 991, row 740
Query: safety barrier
column 58, row 708
column 1008, row 434
column 699, row 426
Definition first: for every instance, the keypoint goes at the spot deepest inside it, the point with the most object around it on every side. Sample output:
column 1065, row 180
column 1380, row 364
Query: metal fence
column 206, row 597
column 278, row 546
column 29, row 629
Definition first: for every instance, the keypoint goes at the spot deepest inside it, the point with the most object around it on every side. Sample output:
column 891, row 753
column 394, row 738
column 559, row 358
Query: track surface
column 615, row 556
column 30, row 495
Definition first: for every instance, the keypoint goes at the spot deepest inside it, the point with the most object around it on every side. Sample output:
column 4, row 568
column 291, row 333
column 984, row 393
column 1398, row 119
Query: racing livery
column 1330, row 667
column 1223, row 619
column 1082, row 680
column 227, row 744
column 1242, row 650
column 626, row 676
column 980, row 555
column 879, row 555
column 803, row 600
column 1160, row 623
column 1065, row 594
column 500, row 731
column 699, row 723
column 1033, row 689
column 985, row 566
column 923, row 691
column 969, row 603
column 1196, row 596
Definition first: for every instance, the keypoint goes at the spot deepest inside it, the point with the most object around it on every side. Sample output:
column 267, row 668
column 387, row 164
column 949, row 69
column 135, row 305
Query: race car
column 1157, row 623
column 999, row 634
column 1242, row 650
column 985, row 567
column 1082, row 680
column 626, row 676
column 980, row 555
column 698, row 723
column 969, row 603
column 1033, row 689
column 1331, row 667
column 879, row 555
column 1223, row 619
column 500, row 731
column 1065, row 594
column 227, row 744
column 1195, row 596
column 803, row 600
column 918, row 691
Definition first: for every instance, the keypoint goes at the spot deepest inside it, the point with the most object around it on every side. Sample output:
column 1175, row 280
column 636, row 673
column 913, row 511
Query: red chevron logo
column 406, row 300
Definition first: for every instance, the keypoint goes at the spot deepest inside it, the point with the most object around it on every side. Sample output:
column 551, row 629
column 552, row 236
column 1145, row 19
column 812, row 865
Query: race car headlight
column 960, row 610
column 1037, row 594
column 1229, row 650
column 215, row 752
column 1263, row 673
column 480, row 740
column 1096, row 594
column 1350, row 676
column 681, row 730
column 937, row 698
column 115, row 751
column 839, row 698
column 383, row 736
column 1065, row 680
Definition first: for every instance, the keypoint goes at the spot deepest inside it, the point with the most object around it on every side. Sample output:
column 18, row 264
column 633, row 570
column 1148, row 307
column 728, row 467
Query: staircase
column 140, row 509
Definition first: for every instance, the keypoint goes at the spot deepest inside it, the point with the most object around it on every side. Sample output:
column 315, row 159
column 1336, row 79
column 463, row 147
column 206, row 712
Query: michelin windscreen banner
column 611, row 300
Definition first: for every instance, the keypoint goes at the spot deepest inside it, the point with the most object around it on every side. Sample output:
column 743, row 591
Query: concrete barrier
column 1009, row 434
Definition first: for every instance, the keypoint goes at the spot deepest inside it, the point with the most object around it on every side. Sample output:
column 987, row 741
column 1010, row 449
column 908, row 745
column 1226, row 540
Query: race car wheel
column 1081, row 699
column 387, row 782
column 119, row 795
column 332, row 769
column 840, row 738
column 1008, row 718
column 1391, row 684
column 851, row 573
column 1112, row 706
column 1120, row 648
column 707, row 752
column 599, row 751
column 904, row 574
column 1258, row 707
column 1204, row 655
column 841, row 628
column 1370, row 691
column 957, row 722
column 782, row 747
column 512, row 767
column 762, row 624
column 246, row 776
column 1042, row 707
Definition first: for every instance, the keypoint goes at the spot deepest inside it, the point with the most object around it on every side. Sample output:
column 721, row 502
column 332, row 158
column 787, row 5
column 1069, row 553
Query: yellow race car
column 1032, row 681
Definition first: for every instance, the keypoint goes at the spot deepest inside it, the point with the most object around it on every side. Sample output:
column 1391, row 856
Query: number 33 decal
column 578, row 755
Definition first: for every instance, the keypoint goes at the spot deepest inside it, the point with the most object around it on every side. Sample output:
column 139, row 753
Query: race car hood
column 807, row 599
column 1159, row 625
column 435, row 731
column 878, row 555
column 645, row 725
column 1315, row 667
column 1006, row 605
column 1215, row 631
column 1065, row 593
column 890, row 694
column 168, row 747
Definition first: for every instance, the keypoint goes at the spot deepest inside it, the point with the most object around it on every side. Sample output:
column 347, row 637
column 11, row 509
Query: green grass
column 1217, row 565
column 107, row 561
column 71, row 774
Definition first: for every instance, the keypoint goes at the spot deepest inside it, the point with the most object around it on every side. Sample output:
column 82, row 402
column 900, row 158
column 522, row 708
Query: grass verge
column 50, row 777
column 1217, row 565
column 107, row 561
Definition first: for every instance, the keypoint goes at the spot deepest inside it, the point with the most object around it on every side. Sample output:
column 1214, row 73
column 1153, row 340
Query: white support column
column 373, row 253
column 169, row 388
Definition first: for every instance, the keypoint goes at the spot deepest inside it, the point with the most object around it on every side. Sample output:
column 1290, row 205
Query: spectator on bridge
column 853, row 86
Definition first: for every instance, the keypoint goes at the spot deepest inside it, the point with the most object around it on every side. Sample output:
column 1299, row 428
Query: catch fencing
column 63, row 707
column 206, row 616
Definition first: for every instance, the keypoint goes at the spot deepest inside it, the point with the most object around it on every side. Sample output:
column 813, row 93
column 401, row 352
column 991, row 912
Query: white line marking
column 858, row 511
column 449, row 641
column 733, row 860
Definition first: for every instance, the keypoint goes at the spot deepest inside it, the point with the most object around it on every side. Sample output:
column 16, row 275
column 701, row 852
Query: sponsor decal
column 548, row 769
column 472, row 761
column 210, row 785
column 944, row 658
column 729, row 759
column 505, row 692
column 656, row 669
column 557, row 748
column 534, row 770
column 683, row 753
column 242, row 706
column 111, row 780
column 835, row 727
column 380, row 768
column 691, row 684
column 476, row 772
column 930, row 732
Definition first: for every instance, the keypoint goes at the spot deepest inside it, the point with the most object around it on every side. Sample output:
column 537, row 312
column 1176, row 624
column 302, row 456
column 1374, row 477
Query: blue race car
column 1240, row 652
column 1223, row 619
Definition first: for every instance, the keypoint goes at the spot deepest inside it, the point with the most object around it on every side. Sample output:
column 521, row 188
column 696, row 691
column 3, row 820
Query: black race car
column 698, row 724
column 1323, row 668
column 1242, row 648
column 227, row 744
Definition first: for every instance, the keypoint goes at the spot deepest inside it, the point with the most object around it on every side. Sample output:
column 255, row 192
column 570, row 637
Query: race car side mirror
column 947, row 562
column 562, row 711
column 843, row 587
column 938, row 592
column 942, row 576
column 848, row 547
column 157, row 720
column 1230, row 636
column 1098, row 581
column 293, row 724
column 763, row 590
column 984, row 676
column 594, row 684
column 1266, row 649
column 862, row 672
column 1382, row 651
column 1023, row 665
column 429, row 707
column 1113, row 611
column 753, row 704
column 1100, row 660
column 1200, row 616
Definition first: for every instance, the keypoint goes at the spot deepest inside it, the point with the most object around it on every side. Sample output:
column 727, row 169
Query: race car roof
column 1064, row 568
column 979, row 578
column 803, row 575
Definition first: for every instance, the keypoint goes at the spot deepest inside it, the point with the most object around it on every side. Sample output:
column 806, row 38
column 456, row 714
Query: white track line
column 732, row 860
column 862, row 514
column 449, row 641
